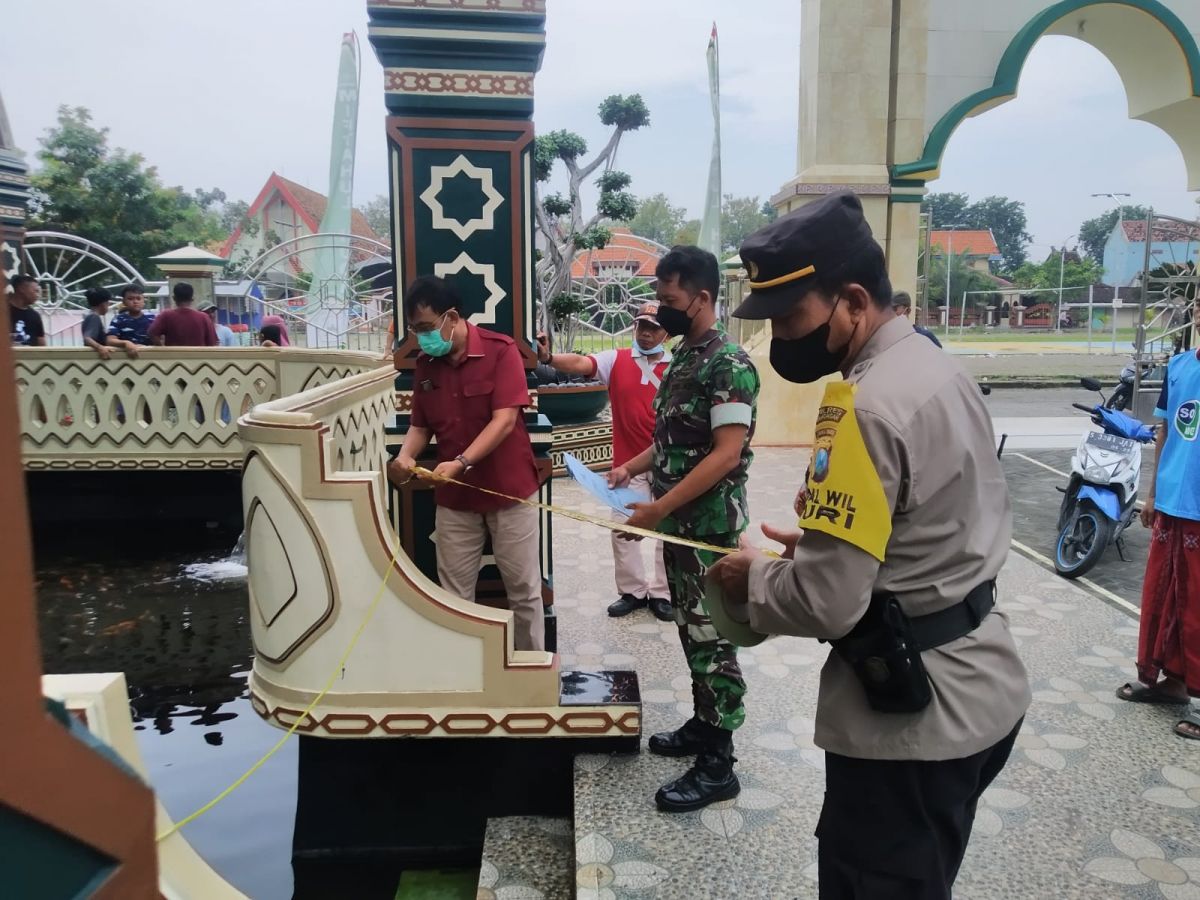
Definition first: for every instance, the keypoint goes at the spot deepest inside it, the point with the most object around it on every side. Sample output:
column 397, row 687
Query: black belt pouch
column 884, row 656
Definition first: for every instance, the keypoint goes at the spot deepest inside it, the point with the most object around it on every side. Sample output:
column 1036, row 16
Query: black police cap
column 784, row 257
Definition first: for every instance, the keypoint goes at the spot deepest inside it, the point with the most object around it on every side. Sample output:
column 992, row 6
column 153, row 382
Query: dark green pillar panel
column 458, row 84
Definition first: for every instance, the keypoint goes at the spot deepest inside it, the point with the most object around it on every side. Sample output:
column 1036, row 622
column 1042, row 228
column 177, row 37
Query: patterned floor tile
column 1099, row 799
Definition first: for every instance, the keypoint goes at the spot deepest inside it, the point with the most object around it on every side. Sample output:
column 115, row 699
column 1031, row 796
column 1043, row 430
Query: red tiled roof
column 972, row 243
column 625, row 247
column 1164, row 232
column 308, row 203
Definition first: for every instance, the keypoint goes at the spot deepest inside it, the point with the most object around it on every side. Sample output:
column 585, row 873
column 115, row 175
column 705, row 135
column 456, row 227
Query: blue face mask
column 653, row 351
column 432, row 342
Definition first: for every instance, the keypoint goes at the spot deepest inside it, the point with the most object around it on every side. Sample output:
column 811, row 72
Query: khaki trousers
column 630, row 569
column 516, row 542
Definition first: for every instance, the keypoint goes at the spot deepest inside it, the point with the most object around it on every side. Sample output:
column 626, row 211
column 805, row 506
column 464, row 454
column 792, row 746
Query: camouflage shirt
column 708, row 384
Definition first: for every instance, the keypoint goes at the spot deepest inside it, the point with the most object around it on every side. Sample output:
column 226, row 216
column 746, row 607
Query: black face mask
column 805, row 359
column 675, row 322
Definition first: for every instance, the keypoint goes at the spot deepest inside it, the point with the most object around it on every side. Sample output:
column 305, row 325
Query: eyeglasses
column 427, row 327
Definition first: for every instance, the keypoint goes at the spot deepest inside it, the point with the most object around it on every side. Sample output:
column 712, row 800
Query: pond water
column 128, row 604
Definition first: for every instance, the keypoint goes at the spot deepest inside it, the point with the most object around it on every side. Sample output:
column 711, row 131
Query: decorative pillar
column 458, row 85
column 14, row 200
column 196, row 266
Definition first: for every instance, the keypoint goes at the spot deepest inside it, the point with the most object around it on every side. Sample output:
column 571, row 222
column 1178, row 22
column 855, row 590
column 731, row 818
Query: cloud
column 220, row 93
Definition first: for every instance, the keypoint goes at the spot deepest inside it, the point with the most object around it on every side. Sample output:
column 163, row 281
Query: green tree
column 740, row 217
column 657, row 219
column 112, row 197
column 1093, row 234
column 1077, row 274
column 769, row 211
column 561, row 219
column 378, row 213
column 948, row 210
column 1005, row 217
column 962, row 278
column 234, row 215
column 689, row 233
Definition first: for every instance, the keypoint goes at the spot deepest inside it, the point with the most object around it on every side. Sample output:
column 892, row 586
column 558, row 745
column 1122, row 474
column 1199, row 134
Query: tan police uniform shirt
column 930, row 437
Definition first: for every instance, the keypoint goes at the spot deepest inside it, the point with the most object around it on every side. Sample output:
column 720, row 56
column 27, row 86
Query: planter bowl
column 569, row 404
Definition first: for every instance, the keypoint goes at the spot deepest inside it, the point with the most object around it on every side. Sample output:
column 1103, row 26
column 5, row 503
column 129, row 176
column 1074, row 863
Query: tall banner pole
column 710, row 224
column 328, row 311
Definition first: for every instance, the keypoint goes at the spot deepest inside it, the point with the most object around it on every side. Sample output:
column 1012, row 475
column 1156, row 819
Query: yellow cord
column 429, row 475
column 304, row 715
column 611, row 525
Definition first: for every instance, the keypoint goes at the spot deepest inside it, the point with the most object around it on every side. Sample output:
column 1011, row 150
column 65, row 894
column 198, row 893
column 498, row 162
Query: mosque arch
column 1153, row 51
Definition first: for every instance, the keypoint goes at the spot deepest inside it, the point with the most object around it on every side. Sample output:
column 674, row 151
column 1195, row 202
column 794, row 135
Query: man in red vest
column 633, row 375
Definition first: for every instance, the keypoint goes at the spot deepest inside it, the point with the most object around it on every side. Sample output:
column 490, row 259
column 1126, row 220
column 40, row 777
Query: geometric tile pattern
column 1099, row 798
column 486, row 220
column 558, row 722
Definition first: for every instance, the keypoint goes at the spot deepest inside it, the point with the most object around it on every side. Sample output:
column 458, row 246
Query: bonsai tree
column 560, row 218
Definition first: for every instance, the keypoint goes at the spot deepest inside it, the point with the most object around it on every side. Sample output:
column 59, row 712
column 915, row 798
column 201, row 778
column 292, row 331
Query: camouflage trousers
column 717, row 682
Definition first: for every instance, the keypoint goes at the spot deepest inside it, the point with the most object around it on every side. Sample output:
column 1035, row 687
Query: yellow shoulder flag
column 845, row 497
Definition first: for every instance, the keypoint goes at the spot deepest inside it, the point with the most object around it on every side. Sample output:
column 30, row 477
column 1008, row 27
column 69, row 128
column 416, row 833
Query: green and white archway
column 885, row 84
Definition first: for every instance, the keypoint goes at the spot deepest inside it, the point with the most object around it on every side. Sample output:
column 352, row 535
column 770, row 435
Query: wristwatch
column 467, row 467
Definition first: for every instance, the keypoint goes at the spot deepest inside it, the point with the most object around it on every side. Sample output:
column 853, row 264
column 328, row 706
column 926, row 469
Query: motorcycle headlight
column 1097, row 474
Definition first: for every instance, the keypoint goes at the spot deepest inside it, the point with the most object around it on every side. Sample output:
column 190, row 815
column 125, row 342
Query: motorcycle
column 1122, row 395
column 1100, row 499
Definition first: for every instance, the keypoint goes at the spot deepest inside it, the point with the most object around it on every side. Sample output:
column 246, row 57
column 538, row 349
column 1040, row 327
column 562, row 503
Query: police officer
column 906, row 524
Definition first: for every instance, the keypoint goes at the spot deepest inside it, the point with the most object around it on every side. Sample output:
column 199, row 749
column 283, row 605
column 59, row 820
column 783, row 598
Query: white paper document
column 597, row 485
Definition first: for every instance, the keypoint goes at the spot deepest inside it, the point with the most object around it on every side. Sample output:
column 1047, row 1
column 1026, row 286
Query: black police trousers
column 898, row 829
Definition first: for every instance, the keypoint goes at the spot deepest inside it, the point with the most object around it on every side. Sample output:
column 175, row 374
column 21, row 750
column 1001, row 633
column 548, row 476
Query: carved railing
column 171, row 408
column 321, row 548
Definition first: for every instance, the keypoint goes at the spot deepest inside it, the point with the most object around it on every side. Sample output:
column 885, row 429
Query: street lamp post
column 949, row 255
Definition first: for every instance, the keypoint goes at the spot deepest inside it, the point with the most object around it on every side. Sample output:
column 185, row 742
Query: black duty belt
column 955, row 621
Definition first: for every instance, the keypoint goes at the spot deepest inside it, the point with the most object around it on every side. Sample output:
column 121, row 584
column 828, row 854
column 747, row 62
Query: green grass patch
column 1075, row 335
column 438, row 884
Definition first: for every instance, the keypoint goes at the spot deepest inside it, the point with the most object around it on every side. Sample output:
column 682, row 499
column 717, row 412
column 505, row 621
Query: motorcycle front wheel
column 1082, row 541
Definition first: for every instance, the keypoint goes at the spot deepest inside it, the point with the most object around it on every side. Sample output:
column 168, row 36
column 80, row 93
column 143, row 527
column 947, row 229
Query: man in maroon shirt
column 468, row 392
column 183, row 326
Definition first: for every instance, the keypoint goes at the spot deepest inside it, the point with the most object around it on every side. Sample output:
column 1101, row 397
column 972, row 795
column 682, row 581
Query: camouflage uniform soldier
column 698, row 463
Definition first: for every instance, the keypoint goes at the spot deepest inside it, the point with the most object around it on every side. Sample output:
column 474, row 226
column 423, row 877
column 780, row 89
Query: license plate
column 1111, row 442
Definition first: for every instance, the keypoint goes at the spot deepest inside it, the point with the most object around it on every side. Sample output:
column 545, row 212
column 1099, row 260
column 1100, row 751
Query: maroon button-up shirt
column 456, row 402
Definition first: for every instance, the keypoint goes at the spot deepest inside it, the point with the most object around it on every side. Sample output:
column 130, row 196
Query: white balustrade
column 170, row 408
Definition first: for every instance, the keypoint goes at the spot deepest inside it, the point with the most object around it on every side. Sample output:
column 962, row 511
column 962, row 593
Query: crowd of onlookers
column 186, row 324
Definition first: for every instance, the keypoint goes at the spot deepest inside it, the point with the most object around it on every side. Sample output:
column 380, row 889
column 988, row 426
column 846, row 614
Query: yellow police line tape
column 427, row 474
column 609, row 524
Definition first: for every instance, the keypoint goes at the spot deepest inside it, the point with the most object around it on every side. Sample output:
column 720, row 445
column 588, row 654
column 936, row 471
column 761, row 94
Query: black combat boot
column 687, row 740
column 625, row 604
column 709, row 779
column 661, row 607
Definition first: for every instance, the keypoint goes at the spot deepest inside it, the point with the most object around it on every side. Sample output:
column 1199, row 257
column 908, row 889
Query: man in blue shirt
column 1168, row 661
column 225, row 335
column 130, row 328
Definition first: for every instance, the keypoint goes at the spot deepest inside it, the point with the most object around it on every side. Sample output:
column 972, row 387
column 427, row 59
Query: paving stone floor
column 1100, row 799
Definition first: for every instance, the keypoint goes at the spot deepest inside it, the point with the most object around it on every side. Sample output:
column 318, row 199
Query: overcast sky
column 220, row 93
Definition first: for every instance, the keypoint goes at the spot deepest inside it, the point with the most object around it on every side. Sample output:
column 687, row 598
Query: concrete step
column 527, row 858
